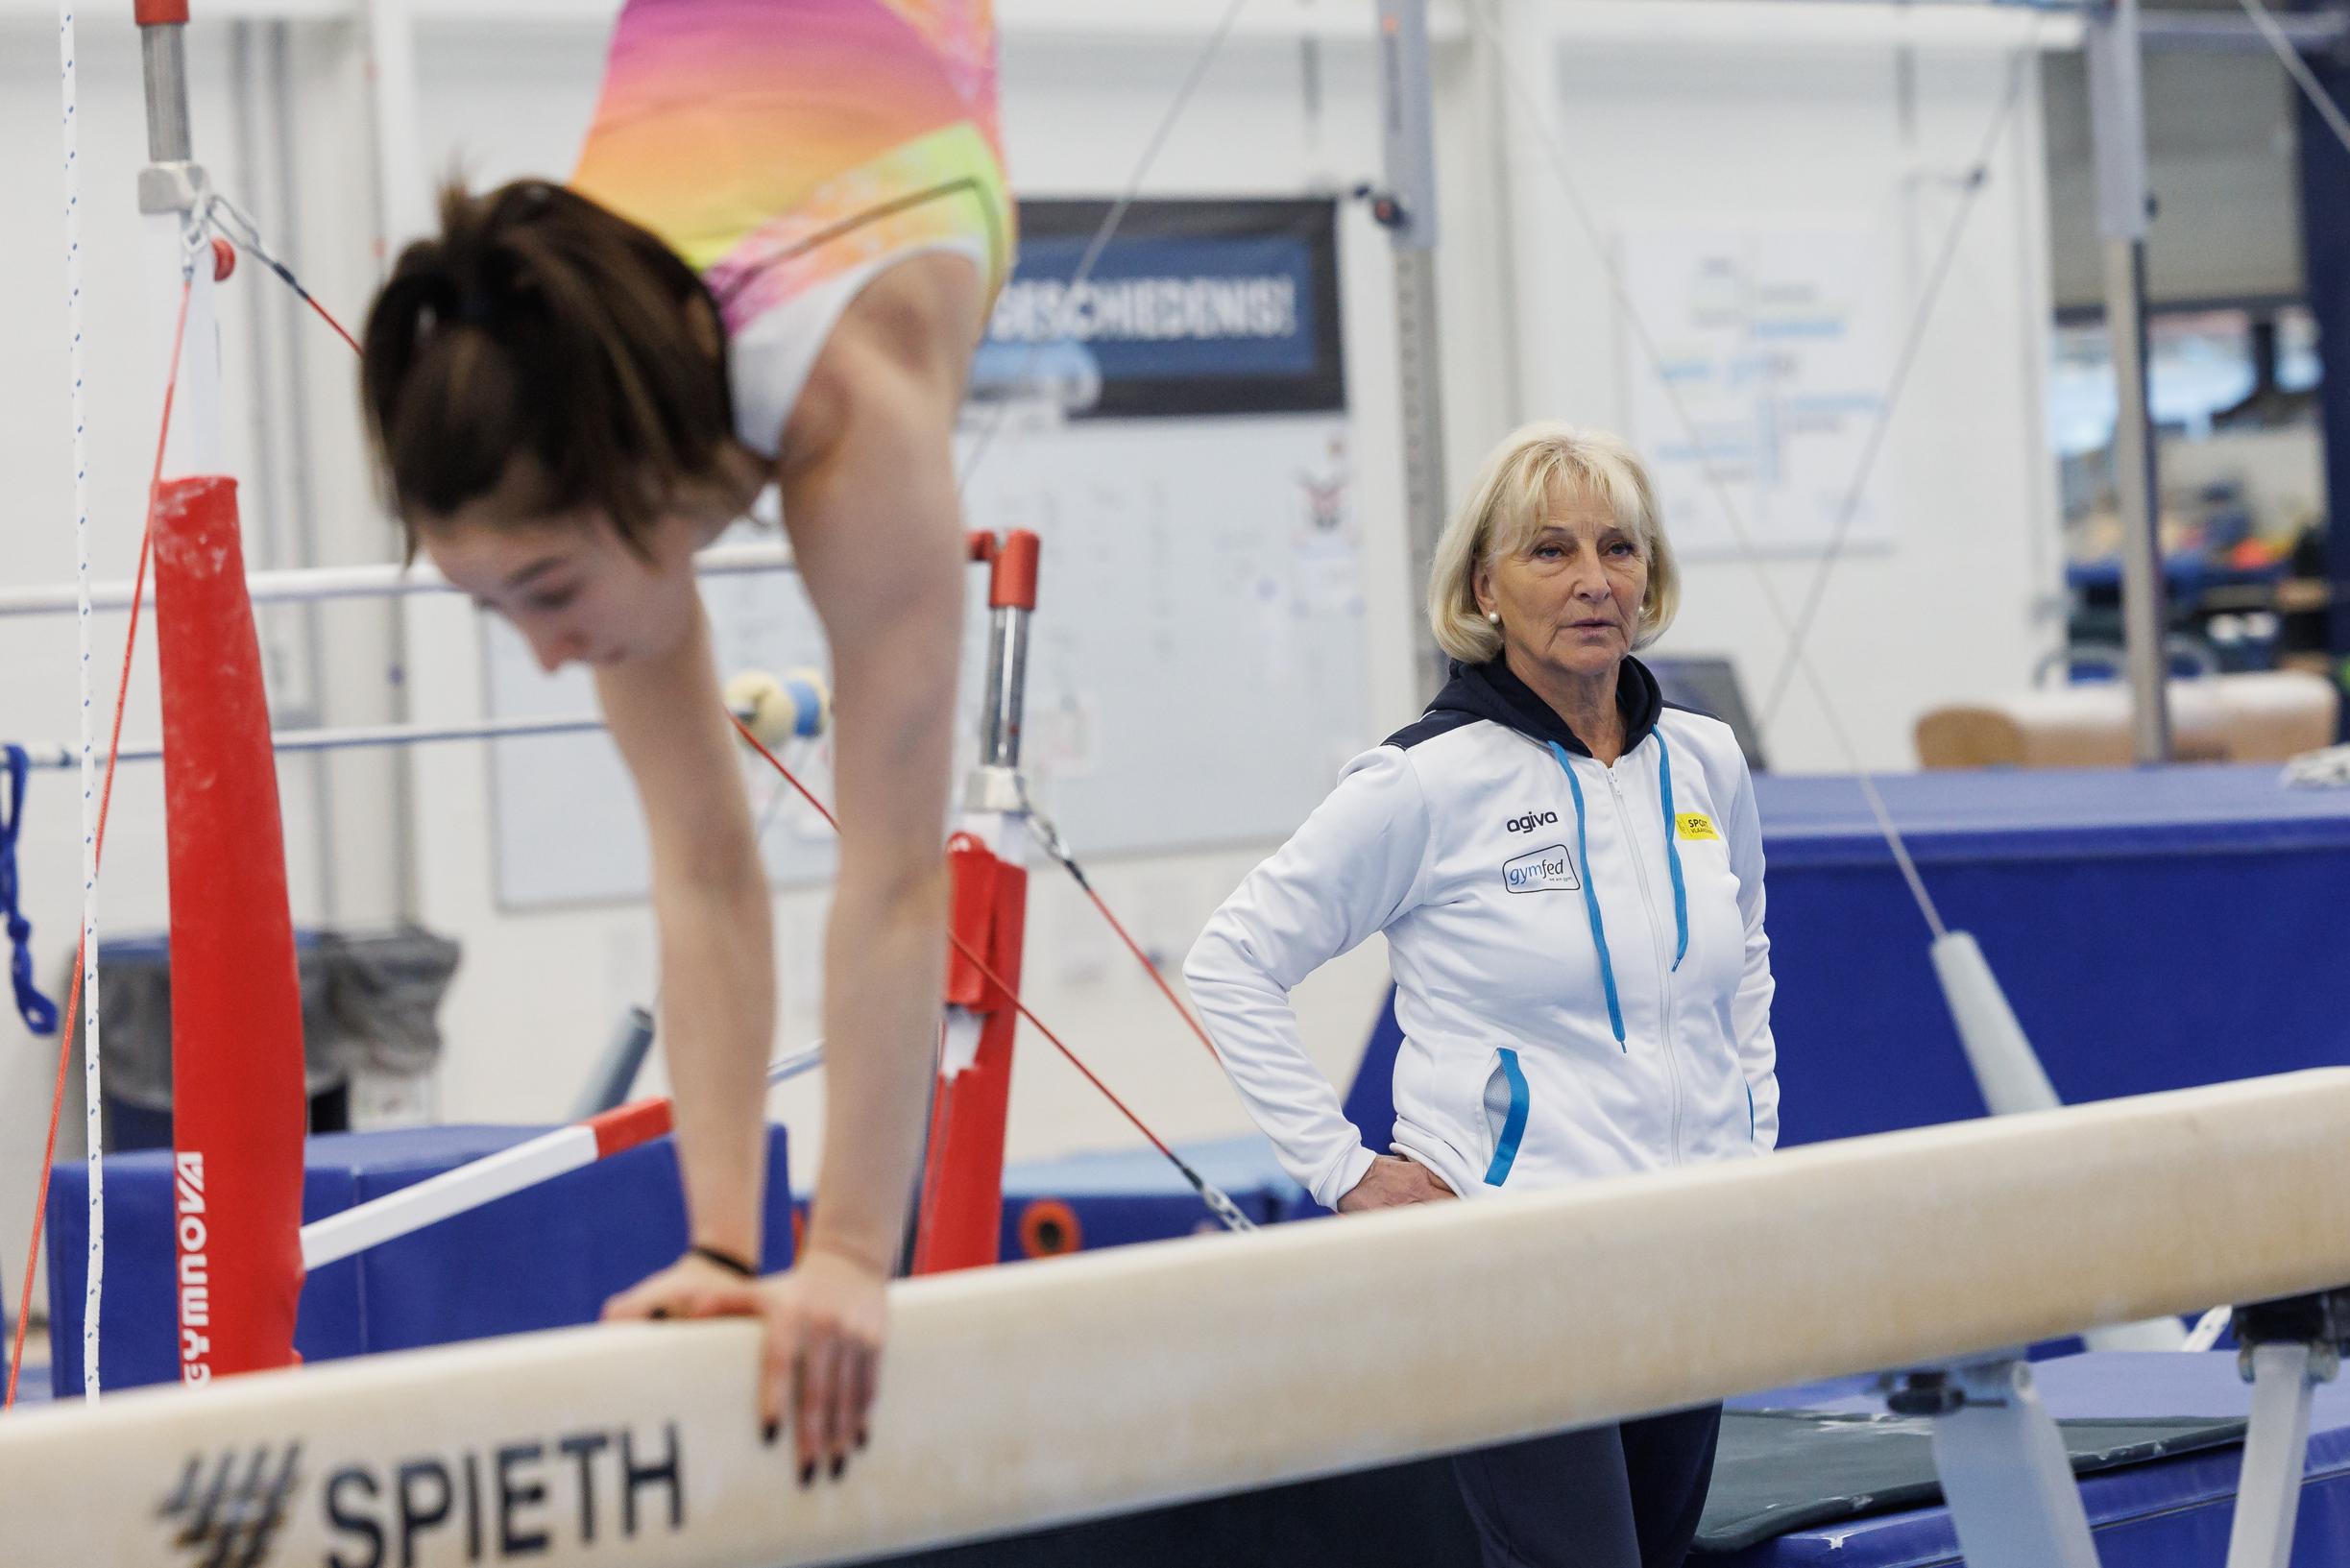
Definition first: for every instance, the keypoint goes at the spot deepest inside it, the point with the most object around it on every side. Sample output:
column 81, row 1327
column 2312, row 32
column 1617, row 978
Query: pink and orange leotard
column 792, row 150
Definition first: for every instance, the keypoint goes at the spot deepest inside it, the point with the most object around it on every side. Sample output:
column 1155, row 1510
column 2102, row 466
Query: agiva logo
column 1533, row 820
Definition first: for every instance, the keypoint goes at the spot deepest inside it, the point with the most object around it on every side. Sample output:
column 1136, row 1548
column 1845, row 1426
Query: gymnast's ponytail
column 539, row 325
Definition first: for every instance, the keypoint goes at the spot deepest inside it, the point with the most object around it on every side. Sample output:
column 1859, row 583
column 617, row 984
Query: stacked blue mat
column 542, row 1259
column 1085, row 1201
column 2080, row 884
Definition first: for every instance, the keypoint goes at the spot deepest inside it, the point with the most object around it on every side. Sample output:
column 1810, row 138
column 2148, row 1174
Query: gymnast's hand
column 1392, row 1183
column 825, row 1323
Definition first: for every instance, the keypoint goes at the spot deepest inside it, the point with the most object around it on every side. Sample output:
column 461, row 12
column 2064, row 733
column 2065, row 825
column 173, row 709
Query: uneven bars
column 55, row 756
column 510, row 1170
column 1037, row 1393
column 355, row 737
column 309, row 584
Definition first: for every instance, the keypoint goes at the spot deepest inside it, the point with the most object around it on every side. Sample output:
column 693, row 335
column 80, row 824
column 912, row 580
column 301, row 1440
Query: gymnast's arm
column 869, row 493
column 869, row 499
column 1349, row 871
column 711, row 907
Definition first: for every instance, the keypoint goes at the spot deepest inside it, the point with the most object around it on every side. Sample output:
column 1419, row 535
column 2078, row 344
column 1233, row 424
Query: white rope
column 94, row 1107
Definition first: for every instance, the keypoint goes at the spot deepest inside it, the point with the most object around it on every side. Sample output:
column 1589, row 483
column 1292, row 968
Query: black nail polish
column 807, row 1474
column 841, row 1462
column 862, row 1439
column 770, row 1431
column 659, row 1314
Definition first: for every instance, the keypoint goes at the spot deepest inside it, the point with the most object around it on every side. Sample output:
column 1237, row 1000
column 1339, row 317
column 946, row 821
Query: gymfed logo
column 1544, row 871
column 229, row 1511
column 504, row 1503
column 1533, row 820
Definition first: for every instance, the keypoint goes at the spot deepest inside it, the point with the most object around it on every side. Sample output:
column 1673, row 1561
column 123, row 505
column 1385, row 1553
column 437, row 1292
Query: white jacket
column 1492, row 850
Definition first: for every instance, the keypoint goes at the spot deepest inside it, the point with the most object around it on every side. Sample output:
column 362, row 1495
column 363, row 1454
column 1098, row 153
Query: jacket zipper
column 1664, row 962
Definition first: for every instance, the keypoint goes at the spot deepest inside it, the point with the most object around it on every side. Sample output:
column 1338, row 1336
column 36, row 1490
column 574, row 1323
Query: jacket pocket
column 1506, row 1103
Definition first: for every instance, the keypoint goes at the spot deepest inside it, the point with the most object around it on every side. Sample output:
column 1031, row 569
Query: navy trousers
column 1624, row 1496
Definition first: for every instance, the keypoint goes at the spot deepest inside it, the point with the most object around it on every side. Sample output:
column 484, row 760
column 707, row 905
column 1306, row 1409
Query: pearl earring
column 1494, row 615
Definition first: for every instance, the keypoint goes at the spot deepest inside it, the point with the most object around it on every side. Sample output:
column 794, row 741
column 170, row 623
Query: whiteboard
column 1773, row 345
column 1196, row 675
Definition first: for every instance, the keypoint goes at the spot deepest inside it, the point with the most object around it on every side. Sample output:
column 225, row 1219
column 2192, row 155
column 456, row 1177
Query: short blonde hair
column 1507, row 507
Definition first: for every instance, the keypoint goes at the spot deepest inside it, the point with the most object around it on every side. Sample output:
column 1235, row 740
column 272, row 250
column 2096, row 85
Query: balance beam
column 1038, row 1393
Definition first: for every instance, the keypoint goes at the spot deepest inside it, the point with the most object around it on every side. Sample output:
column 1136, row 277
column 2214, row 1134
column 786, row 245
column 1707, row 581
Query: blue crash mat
column 2166, row 1513
column 545, row 1258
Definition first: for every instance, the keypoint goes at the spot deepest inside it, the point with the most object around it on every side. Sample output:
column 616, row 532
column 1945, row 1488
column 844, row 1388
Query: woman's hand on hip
column 825, row 1323
column 1392, row 1183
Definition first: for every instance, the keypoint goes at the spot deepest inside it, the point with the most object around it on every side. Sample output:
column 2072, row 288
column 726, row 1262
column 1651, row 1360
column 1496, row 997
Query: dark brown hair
column 540, row 325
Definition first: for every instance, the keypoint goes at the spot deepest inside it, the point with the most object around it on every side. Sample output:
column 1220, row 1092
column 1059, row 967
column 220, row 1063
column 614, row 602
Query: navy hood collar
column 1493, row 691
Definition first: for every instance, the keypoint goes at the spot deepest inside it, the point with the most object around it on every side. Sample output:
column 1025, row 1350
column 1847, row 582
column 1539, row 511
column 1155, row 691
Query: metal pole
column 402, row 211
column 994, row 788
column 616, row 1071
column 956, row 1215
column 1007, row 681
column 2285, row 1378
column 2012, row 1497
column 170, row 191
column 163, row 56
column 2325, row 241
column 2117, row 107
column 2199, row 33
column 1406, row 207
column 292, row 319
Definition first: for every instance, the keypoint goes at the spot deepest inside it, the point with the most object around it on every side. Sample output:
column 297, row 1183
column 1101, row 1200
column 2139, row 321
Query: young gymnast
column 771, row 267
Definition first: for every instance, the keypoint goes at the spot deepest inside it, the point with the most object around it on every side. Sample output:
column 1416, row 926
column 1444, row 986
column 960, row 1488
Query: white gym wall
column 1663, row 102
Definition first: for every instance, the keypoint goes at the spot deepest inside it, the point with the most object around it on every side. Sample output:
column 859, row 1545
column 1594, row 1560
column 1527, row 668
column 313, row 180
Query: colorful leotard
column 791, row 149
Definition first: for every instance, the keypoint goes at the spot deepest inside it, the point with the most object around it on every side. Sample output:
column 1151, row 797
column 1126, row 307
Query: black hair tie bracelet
column 725, row 1260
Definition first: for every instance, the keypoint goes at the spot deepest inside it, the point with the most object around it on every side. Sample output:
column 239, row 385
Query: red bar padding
column 970, row 913
column 238, row 1105
column 159, row 14
column 962, row 1221
column 628, row 1125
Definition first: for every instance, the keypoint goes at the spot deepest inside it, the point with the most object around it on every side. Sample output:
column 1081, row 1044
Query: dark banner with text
column 1192, row 307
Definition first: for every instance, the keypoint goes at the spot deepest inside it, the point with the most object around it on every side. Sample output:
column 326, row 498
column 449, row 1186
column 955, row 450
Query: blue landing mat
column 541, row 1258
column 2169, row 1514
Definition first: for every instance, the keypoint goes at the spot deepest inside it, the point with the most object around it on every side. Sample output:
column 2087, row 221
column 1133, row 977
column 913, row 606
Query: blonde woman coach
column 1569, row 876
